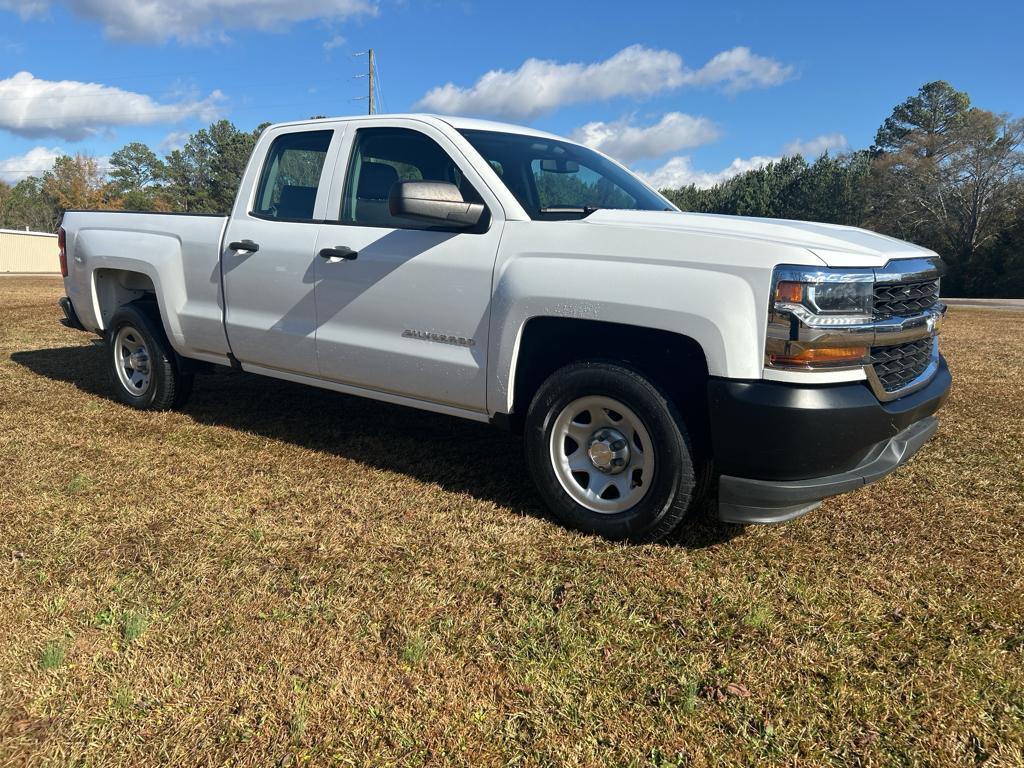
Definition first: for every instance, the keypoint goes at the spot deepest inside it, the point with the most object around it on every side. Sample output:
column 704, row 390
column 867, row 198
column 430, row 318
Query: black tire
column 672, row 491
column 167, row 387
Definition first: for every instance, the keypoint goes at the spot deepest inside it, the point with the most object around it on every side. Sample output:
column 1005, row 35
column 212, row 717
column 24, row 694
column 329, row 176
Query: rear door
column 268, row 261
column 409, row 315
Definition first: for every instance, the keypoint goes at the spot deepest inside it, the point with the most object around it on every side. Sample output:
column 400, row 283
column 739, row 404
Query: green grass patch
column 52, row 655
column 414, row 650
column 133, row 626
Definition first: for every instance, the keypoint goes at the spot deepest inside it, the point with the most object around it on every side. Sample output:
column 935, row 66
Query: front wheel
column 141, row 363
column 610, row 453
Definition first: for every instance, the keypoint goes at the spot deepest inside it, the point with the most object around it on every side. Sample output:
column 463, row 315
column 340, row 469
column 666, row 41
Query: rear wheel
column 142, row 365
column 610, row 453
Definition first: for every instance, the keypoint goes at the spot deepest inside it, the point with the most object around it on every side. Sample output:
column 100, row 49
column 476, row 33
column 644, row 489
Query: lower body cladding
column 782, row 448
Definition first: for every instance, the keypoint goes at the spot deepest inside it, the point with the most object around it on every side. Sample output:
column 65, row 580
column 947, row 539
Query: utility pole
column 371, row 84
column 370, row 77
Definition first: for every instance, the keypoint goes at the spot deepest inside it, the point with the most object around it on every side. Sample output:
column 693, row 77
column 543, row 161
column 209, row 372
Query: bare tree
column 77, row 182
column 957, row 199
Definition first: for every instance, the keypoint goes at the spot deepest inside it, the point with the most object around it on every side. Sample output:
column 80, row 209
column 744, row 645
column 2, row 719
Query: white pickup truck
column 653, row 360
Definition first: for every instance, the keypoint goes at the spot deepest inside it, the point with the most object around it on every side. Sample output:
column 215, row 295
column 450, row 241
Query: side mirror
column 437, row 202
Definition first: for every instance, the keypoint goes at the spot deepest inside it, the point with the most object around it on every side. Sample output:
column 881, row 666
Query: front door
column 269, row 256
column 409, row 314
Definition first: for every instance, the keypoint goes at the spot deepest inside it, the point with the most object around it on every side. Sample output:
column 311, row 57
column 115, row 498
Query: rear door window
column 291, row 175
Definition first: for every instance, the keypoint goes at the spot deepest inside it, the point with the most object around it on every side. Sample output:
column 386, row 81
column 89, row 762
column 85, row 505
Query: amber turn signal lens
column 789, row 292
column 823, row 356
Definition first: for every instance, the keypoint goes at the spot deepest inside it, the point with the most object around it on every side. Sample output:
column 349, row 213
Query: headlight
column 820, row 318
column 825, row 292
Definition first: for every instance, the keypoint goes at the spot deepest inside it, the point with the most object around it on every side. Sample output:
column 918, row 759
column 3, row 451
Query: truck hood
column 835, row 245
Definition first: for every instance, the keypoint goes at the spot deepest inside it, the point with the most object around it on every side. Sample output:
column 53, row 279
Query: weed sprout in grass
column 122, row 700
column 52, row 655
column 134, row 626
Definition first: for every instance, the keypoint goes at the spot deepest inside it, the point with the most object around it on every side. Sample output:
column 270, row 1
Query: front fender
column 709, row 286
column 717, row 309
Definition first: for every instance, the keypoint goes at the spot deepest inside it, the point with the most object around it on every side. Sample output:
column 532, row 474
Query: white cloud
column 33, row 163
column 193, row 20
column 172, row 141
column 740, row 69
column 26, row 9
column 38, row 161
column 679, row 172
column 627, row 142
column 335, row 42
column 540, row 86
column 75, row 110
column 816, row 147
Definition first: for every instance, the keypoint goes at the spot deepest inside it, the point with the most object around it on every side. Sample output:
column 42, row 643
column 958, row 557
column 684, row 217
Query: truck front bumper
column 782, row 448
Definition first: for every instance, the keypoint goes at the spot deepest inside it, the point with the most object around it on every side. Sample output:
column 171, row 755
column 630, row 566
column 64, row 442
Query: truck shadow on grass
column 454, row 454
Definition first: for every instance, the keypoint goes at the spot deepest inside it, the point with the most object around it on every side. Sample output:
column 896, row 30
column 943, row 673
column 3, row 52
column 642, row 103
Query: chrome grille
column 898, row 366
column 903, row 299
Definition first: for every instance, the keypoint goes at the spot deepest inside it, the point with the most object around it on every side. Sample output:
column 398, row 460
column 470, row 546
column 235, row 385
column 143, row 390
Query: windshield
column 554, row 179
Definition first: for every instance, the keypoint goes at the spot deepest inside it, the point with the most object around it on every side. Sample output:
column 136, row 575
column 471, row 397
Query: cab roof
column 458, row 123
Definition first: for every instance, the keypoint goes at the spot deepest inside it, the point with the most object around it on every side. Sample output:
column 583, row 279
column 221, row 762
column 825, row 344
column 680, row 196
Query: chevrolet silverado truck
column 656, row 362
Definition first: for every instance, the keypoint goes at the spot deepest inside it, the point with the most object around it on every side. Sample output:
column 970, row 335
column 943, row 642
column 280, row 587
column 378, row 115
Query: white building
column 28, row 253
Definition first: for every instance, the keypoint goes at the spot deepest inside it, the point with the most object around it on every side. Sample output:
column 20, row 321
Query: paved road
column 1016, row 305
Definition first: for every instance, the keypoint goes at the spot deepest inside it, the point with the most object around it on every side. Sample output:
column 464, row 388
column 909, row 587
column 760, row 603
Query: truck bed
column 179, row 257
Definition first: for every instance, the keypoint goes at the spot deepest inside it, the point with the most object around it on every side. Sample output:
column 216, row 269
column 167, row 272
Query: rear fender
column 116, row 280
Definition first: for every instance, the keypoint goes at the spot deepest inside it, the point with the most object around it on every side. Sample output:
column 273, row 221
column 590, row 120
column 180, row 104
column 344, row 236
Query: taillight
column 62, row 244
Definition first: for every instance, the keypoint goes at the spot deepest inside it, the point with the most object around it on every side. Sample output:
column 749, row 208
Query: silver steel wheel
column 131, row 361
column 602, row 454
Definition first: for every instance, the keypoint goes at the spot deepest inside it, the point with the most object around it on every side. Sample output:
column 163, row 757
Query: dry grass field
column 285, row 576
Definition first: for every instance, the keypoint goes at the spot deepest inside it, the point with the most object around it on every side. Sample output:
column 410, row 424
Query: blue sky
column 681, row 91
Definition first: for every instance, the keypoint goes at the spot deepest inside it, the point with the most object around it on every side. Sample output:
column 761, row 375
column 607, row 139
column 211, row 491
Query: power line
column 107, row 87
column 119, row 80
column 374, row 94
column 380, row 89
column 49, row 167
column 89, row 121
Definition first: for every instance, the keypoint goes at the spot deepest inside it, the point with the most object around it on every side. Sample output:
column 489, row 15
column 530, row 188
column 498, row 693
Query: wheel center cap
column 138, row 361
column 608, row 451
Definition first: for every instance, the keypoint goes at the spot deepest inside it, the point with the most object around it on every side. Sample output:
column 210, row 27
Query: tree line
column 941, row 173
column 201, row 177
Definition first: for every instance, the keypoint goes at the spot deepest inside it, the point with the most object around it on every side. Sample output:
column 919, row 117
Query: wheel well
column 117, row 287
column 673, row 361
